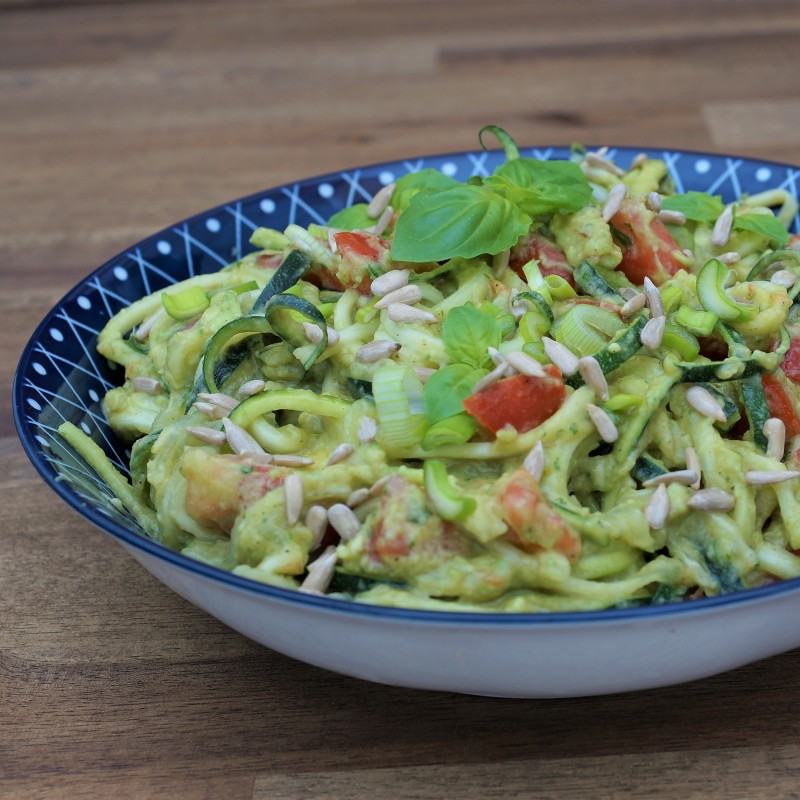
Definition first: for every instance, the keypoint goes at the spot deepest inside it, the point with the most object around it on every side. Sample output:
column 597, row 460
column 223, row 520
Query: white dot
column 213, row 225
column 449, row 168
column 120, row 273
column 84, row 303
column 37, row 367
column 701, row 166
column 86, row 429
column 267, row 205
column 386, row 177
column 763, row 174
column 33, row 404
column 42, row 441
column 325, row 190
column 93, row 394
column 56, row 334
column 165, row 248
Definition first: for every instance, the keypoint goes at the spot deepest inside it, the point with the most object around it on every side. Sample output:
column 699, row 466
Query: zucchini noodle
column 585, row 406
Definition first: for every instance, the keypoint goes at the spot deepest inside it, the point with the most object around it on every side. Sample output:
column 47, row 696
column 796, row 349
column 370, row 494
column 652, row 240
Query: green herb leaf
column 425, row 180
column 467, row 333
column 463, row 221
column 541, row 187
column 698, row 206
column 446, row 390
column 765, row 225
column 506, row 140
column 348, row 219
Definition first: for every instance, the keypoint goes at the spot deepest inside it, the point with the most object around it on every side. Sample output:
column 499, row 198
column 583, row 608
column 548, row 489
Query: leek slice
column 398, row 394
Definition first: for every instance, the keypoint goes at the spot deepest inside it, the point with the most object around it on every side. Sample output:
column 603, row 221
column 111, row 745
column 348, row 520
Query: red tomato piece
column 360, row 253
column 534, row 524
column 550, row 256
column 791, row 362
column 780, row 405
column 520, row 401
column 650, row 253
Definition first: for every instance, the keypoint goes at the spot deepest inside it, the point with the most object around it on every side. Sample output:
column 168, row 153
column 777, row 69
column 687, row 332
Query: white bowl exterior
column 536, row 660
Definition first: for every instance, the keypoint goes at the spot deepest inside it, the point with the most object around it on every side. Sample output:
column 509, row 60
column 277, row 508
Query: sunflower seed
column 389, row 281
column 627, row 292
column 319, row 572
column 702, row 401
column 146, row 385
column 344, row 521
column 633, row 305
column 341, row 453
column 357, row 497
column 207, row 435
column 670, row 217
column 686, row 477
column 293, row 497
column 380, row 201
column 525, row 364
column 603, row 423
column 383, row 221
column 220, row 399
column 497, row 374
column 712, row 499
column 729, row 258
column 653, row 297
column 367, row 430
column 764, row 477
column 410, row 294
column 316, row 521
column 593, row 376
column 211, row 410
column 400, row 312
column 653, row 201
column 657, row 509
column 599, row 161
column 378, row 486
column 722, row 228
column 292, row 461
column 377, row 350
column 638, row 161
column 143, row 331
column 239, row 439
column 314, row 334
column 423, row 373
column 251, row 387
column 693, row 464
column 331, row 234
column 614, row 202
column 534, row 461
column 775, row 431
column 497, row 357
column 653, row 333
column 784, row 278
column 564, row 359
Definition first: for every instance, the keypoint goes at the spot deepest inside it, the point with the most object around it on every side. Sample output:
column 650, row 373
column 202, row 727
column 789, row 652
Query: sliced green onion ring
column 398, row 394
column 700, row 323
column 447, row 501
column 458, row 429
column 713, row 297
column 586, row 328
column 189, row 303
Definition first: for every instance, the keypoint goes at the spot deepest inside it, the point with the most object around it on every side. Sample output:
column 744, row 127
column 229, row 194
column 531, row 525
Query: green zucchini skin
column 623, row 346
column 594, row 285
column 731, row 409
column 646, row 467
column 755, row 406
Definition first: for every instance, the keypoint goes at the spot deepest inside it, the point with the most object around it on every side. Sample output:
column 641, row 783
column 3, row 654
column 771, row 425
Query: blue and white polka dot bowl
column 60, row 377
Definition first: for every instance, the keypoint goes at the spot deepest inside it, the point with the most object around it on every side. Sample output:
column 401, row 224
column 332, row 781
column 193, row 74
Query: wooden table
column 119, row 118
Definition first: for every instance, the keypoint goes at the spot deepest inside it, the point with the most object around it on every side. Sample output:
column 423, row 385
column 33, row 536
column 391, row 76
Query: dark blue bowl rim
column 332, row 605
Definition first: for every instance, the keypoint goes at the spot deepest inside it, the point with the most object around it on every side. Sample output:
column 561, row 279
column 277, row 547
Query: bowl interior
column 61, row 377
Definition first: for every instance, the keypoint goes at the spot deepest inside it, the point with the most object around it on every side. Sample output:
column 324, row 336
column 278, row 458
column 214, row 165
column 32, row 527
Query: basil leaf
column 446, row 390
column 462, row 221
column 765, row 225
column 541, row 187
column 506, row 141
column 698, row 206
column 467, row 333
column 426, row 179
column 352, row 217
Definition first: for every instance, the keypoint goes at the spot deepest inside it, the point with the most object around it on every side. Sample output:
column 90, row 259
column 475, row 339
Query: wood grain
column 120, row 118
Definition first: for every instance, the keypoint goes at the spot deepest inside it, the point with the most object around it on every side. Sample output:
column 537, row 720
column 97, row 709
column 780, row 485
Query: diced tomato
column 780, row 405
column 534, row 524
column 791, row 362
column 520, row 401
column 651, row 252
column 550, row 256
